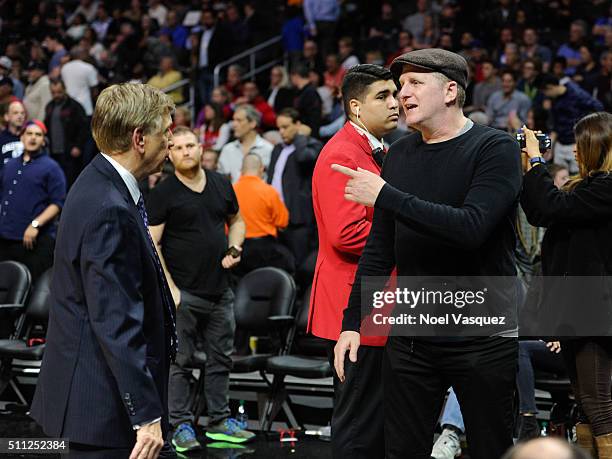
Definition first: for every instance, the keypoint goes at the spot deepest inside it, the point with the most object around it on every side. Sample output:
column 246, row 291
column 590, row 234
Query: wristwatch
column 234, row 251
column 537, row 160
column 35, row 224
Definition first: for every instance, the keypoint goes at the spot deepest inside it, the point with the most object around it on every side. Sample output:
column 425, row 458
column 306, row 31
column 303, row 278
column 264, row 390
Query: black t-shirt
column 194, row 240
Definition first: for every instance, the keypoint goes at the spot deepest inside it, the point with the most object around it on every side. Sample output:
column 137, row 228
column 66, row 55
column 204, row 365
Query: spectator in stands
column 506, row 102
column 37, row 92
column 220, row 96
column 604, row 81
column 571, row 49
column 264, row 215
column 181, row 117
column 334, row 73
column 103, row 22
column 187, row 215
column 569, row 104
column 511, row 58
column 237, row 27
column 311, row 56
column 489, row 84
column 6, row 90
column 545, row 448
column 210, row 159
column 158, row 11
column 587, row 71
column 251, row 96
column 173, row 28
column 415, row 23
column 246, row 121
column 166, row 77
column 80, row 79
column 346, row 53
column 280, row 94
column 211, row 128
column 78, row 27
column 88, row 8
column 233, row 84
column 68, row 131
column 577, row 244
column 33, row 189
column 322, row 19
column 209, row 45
column 532, row 49
column 290, row 173
column 530, row 70
column 307, row 101
column 10, row 139
column 404, row 45
column 6, row 65
column 385, row 29
column 53, row 43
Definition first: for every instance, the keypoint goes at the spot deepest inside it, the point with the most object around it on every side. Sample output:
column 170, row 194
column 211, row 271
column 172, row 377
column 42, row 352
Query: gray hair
column 443, row 79
column 250, row 112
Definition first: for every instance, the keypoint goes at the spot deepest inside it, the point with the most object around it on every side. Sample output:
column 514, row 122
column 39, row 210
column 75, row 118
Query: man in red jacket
column 372, row 112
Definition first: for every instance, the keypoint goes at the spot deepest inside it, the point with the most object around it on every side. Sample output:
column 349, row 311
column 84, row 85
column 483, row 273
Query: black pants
column 358, row 419
column 589, row 365
column 299, row 240
column 418, row 373
column 264, row 251
column 38, row 260
column 71, row 166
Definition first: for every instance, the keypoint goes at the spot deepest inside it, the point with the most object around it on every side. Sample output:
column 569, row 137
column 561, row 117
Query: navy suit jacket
column 107, row 358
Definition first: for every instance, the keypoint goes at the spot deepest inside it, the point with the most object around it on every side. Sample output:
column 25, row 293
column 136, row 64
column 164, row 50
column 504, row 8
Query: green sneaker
column 228, row 430
column 184, row 438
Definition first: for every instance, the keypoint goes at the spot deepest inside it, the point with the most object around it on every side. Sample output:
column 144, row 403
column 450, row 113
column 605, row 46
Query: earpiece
column 357, row 114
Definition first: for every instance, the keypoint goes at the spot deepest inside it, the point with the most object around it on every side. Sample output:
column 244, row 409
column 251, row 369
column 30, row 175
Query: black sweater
column 448, row 208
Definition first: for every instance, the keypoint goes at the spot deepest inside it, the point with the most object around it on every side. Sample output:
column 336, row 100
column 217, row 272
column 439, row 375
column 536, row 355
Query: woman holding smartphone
column 578, row 243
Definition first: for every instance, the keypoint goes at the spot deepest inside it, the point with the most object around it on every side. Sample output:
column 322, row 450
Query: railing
column 251, row 54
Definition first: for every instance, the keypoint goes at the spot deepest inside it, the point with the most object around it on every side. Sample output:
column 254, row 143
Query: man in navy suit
column 103, row 383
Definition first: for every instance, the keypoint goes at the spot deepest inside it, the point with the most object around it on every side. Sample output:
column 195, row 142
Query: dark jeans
column 534, row 355
column 589, row 365
column 418, row 373
column 38, row 260
column 204, row 87
column 358, row 420
column 214, row 324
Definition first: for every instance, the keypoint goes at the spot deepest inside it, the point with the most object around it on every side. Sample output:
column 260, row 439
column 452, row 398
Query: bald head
column 252, row 165
column 545, row 448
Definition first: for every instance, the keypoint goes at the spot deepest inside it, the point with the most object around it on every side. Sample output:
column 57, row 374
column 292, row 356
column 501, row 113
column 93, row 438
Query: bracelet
column 537, row 160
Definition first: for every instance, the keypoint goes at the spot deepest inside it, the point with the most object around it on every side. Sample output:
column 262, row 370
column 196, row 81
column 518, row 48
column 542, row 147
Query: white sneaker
column 447, row 446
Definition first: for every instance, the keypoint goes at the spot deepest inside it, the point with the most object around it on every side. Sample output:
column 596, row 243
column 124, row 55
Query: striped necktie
column 160, row 272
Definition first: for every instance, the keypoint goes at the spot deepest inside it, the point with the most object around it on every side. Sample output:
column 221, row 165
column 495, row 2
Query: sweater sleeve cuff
column 351, row 320
column 389, row 198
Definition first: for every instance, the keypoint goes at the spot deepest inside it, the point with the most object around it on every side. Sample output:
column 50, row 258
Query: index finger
column 345, row 170
column 339, row 362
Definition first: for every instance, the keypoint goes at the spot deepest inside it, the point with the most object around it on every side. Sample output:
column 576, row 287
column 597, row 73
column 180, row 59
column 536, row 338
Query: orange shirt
column 261, row 207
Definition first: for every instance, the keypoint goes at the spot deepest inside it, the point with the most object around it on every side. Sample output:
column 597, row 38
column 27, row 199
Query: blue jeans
column 534, row 354
column 452, row 413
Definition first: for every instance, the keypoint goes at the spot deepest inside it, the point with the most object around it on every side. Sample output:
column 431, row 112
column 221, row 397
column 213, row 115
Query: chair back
column 15, row 280
column 37, row 309
column 262, row 293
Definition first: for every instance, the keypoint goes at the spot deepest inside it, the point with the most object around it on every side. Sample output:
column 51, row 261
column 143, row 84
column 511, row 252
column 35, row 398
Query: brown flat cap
column 450, row 64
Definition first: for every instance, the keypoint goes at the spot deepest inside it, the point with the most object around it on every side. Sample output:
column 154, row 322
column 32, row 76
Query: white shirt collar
column 129, row 179
column 374, row 142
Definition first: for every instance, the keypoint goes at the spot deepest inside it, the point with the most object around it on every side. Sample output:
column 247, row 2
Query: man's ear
column 451, row 92
column 138, row 140
column 354, row 106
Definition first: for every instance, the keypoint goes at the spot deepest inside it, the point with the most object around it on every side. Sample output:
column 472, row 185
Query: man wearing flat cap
column 444, row 206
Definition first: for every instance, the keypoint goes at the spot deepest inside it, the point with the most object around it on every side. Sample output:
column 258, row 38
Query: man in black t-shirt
column 188, row 213
column 444, row 206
